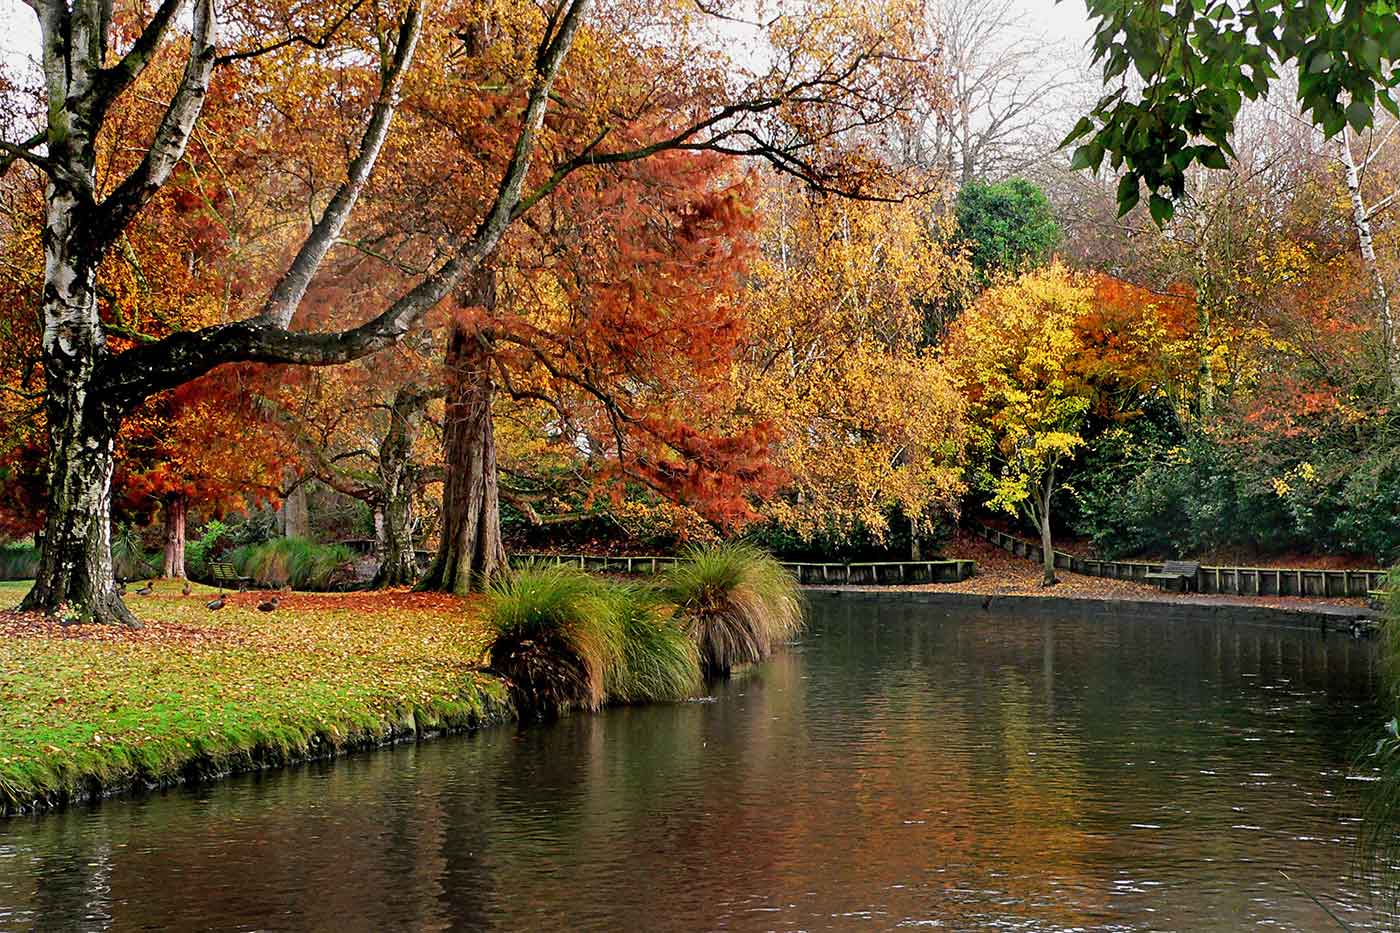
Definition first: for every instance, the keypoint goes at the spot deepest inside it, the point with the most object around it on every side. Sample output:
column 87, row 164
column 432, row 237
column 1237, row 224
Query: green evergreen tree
column 1008, row 226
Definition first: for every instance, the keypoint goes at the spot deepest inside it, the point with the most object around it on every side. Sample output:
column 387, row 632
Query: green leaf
column 1320, row 62
column 1148, row 60
column 1358, row 115
column 1089, row 155
column 1211, row 157
column 1392, row 45
column 1128, row 193
column 1332, row 122
column 1083, row 126
column 1369, row 51
column 1162, row 209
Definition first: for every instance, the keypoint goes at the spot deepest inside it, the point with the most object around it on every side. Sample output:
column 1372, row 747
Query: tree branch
column 167, row 148
column 111, row 82
column 23, row 152
column 137, row 373
column 287, row 295
column 318, row 42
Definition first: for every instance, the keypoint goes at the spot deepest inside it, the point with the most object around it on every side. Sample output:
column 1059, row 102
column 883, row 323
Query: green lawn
column 195, row 692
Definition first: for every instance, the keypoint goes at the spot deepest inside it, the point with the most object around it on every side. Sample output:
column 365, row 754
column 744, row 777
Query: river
column 899, row 766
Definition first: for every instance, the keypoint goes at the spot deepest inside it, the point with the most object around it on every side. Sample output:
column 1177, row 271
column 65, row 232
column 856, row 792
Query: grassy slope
column 88, row 709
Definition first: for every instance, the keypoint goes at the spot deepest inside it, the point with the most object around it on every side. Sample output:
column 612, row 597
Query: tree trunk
column 471, row 550
column 1204, row 296
column 397, row 564
column 1361, row 221
column 1047, row 546
column 175, row 508
column 293, row 516
column 397, row 483
column 75, row 568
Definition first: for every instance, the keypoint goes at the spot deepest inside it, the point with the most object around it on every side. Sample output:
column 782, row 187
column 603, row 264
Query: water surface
column 899, row 767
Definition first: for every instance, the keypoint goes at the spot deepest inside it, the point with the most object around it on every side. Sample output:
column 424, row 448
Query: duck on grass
column 566, row 640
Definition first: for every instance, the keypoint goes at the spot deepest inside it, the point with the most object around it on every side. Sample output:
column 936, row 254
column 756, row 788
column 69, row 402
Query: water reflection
column 897, row 767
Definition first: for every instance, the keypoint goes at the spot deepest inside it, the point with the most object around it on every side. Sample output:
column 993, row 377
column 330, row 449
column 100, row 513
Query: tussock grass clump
column 555, row 637
column 735, row 602
column 294, row 562
column 659, row 661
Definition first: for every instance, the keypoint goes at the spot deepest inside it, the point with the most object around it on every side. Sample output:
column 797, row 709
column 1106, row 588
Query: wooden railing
column 867, row 573
column 1238, row 581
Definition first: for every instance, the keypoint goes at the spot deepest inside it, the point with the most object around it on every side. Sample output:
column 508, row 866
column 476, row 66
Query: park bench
column 225, row 574
column 1179, row 575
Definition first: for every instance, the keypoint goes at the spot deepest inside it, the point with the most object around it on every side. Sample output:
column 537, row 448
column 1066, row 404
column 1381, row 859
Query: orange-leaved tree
column 650, row 78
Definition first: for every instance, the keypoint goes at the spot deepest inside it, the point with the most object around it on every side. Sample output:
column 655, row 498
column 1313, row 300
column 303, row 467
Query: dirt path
column 1003, row 574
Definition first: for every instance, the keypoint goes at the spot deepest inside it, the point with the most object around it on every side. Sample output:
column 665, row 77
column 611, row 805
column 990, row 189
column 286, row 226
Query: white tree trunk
column 1361, row 221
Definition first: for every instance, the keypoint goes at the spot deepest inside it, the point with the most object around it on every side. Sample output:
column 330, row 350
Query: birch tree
column 1362, row 214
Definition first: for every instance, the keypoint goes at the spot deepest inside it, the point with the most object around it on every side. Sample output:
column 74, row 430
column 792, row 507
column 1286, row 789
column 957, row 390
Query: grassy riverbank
column 88, row 709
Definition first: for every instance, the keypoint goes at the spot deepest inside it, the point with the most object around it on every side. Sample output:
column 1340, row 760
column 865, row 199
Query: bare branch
column 297, row 38
column 24, row 152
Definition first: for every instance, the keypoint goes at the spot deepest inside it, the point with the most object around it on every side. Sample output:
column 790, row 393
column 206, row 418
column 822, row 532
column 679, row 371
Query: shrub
column 735, row 602
column 295, row 562
column 659, row 661
column 556, row 638
column 257, row 527
column 1144, row 491
column 130, row 559
column 18, row 562
column 199, row 551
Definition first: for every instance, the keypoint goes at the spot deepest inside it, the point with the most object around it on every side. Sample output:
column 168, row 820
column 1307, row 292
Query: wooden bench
column 1179, row 575
column 225, row 574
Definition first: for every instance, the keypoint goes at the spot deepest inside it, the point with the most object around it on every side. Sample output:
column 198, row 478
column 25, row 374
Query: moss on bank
column 86, row 711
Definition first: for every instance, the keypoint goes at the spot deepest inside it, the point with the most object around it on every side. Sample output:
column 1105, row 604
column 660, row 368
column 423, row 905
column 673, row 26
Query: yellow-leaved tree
column 868, row 420
column 1018, row 360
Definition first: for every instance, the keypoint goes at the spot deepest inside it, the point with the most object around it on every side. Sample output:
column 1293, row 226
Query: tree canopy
column 1008, row 226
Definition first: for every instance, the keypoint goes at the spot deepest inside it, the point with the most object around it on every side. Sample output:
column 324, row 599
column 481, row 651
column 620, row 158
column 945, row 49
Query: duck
column 268, row 605
column 215, row 604
column 148, row 589
column 185, row 590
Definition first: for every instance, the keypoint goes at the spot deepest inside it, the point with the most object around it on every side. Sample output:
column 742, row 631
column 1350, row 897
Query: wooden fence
column 1238, row 581
column 867, row 573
